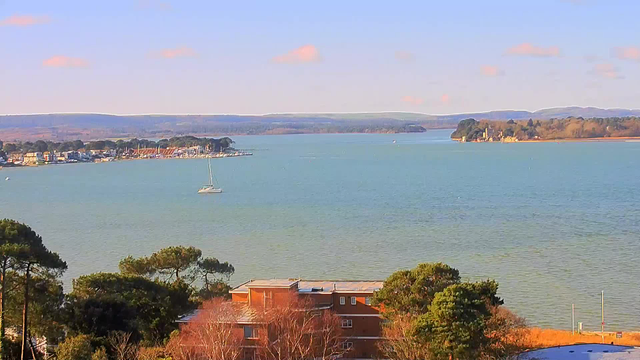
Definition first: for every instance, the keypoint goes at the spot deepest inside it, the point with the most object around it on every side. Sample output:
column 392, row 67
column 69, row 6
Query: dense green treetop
column 120, row 145
column 411, row 291
column 214, row 268
column 46, row 299
column 99, row 315
column 75, row 348
column 456, row 322
column 25, row 247
column 157, row 305
column 12, row 237
column 215, row 275
column 171, row 263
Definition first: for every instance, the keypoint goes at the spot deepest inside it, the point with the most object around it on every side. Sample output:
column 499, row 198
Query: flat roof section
column 330, row 286
column 314, row 286
column 274, row 283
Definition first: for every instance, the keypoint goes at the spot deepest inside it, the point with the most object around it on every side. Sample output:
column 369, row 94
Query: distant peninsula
column 63, row 127
column 571, row 128
column 43, row 152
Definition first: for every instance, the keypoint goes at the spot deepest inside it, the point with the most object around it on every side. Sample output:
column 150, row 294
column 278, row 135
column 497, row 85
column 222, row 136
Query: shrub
column 75, row 348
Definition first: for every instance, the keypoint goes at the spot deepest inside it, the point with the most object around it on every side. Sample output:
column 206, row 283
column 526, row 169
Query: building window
column 250, row 332
column 268, row 299
column 353, row 300
column 342, row 300
column 347, row 323
column 367, row 301
column 347, row 345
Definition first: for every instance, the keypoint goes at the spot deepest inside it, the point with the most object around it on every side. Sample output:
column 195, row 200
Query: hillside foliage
column 567, row 128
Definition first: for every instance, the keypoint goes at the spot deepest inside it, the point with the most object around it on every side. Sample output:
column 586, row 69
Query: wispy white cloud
column 413, row 100
column 303, row 54
column 183, row 51
column 62, row 61
column 490, row 70
column 528, row 49
column 405, row 56
column 606, row 70
column 24, row 20
column 628, row 53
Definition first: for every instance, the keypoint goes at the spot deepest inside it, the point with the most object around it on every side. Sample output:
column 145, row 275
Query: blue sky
column 255, row 57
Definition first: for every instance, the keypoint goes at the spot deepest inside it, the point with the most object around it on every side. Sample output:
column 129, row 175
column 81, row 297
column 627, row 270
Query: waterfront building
column 50, row 157
column 16, row 157
column 488, row 134
column 71, row 155
column 33, row 158
column 350, row 300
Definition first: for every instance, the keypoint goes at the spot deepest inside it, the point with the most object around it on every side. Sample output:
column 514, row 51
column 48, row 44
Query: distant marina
column 109, row 151
column 98, row 156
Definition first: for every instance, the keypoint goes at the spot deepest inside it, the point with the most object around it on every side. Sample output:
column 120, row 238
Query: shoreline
column 539, row 338
column 116, row 159
column 600, row 139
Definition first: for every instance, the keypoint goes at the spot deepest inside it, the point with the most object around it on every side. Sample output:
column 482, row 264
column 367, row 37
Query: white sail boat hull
column 210, row 188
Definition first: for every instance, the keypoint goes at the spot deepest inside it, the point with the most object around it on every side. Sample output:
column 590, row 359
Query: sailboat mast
column 210, row 174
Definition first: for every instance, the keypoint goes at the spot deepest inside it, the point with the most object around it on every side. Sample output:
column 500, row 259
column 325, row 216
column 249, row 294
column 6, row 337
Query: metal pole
column 602, row 313
column 573, row 319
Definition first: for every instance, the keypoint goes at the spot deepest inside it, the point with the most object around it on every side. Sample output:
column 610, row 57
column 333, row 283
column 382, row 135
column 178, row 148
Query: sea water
column 553, row 223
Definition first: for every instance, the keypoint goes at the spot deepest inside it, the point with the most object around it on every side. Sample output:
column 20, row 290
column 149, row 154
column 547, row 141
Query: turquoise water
column 554, row 223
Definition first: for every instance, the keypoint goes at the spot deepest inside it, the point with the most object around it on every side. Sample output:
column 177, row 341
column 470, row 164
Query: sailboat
column 210, row 188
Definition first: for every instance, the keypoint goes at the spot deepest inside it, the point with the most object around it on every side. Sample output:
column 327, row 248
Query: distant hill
column 93, row 126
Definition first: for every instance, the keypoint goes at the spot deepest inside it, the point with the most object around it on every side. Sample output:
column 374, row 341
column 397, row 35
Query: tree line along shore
column 572, row 128
column 48, row 152
column 132, row 314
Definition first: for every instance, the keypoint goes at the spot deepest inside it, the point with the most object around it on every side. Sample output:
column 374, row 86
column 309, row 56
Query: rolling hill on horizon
column 93, row 126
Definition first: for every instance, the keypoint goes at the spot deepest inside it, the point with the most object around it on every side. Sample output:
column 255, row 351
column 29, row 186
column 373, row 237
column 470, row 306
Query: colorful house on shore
column 33, row 158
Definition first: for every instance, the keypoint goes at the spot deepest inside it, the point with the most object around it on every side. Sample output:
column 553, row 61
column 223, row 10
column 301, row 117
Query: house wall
column 274, row 296
column 359, row 308
column 240, row 297
column 366, row 321
column 319, row 299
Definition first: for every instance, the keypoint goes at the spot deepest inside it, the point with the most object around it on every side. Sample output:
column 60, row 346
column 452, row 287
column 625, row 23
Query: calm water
column 554, row 223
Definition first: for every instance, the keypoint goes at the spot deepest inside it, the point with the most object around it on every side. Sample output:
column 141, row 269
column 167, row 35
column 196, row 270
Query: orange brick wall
column 363, row 349
column 358, row 308
column 239, row 297
column 278, row 296
column 363, row 325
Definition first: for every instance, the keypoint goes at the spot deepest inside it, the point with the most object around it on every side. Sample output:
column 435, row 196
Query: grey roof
column 246, row 315
column 275, row 283
column 315, row 286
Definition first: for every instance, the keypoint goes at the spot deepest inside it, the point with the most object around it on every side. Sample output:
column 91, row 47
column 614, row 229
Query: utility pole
column 602, row 313
column 573, row 319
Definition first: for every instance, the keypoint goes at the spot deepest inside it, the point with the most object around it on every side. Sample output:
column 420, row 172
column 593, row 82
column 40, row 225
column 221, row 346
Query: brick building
column 350, row 300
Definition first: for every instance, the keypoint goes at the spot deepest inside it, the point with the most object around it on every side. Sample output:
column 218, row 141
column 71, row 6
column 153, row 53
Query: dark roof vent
column 317, row 289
